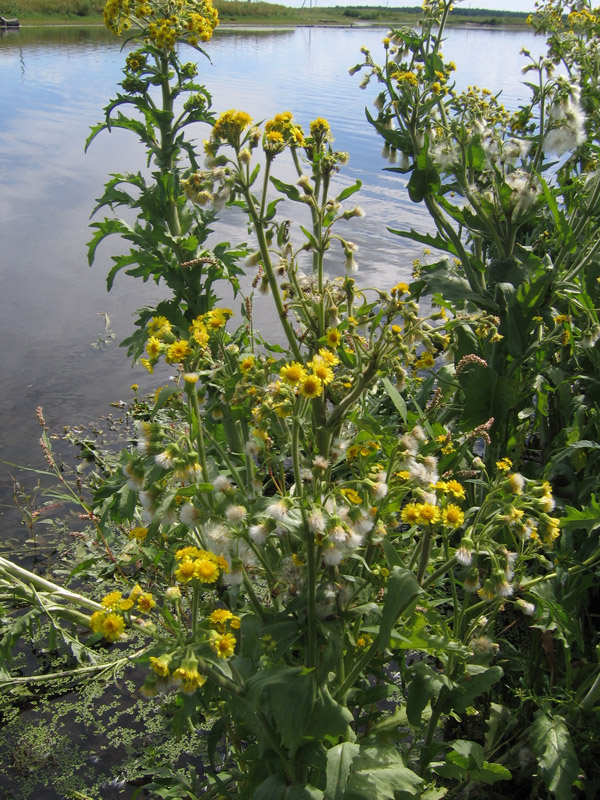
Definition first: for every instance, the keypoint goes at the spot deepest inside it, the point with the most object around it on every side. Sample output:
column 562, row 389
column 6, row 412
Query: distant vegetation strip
column 259, row 12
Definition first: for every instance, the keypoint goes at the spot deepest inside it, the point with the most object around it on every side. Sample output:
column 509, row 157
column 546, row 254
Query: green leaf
column 396, row 398
column 425, row 686
column 349, row 190
column 426, row 238
column 587, row 518
column 402, row 591
column 302, row 792
column 551, row 744
column 286, row 188
column 339, row 763
column 272, row 788
column 287, row 695
column 486, row 394
column 379, row 772
column 423, row 181
column 476, row 681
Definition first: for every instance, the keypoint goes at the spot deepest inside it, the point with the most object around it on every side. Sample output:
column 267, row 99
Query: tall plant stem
column 270, row 273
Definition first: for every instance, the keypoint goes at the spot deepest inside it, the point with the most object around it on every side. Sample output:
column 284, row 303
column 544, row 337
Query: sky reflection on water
column 53, row 86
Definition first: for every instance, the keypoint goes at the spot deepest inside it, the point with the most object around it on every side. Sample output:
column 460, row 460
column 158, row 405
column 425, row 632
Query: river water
column 54, row 310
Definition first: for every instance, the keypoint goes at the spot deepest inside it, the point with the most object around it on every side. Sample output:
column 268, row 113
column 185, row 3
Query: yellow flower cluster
column 111, row 622
column 310, row 384
column 200, row 565
column 228, row 128
column 320, row 130
column 163, row 23
column 161, row 339
column 281, row 131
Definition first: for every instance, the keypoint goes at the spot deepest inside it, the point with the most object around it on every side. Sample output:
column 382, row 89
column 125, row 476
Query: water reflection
column 55, row 82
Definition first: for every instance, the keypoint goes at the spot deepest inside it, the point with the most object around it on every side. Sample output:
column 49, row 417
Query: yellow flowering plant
column 512, row 194
column 164, row 98
column 316, row 549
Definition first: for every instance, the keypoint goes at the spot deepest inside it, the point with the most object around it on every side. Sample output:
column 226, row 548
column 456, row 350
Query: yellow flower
column 329, row 357
column 504, row 465
column 138, row 533
column 190, row 678
column 322, row 370
column 319, row 128
column 159, row 327
column 230, row 125
column 189, row 552
column 223, row 645
column 428, row 514
column 186, row 570
column 352, row 496
column 246, row 364
column 160, row 664
column 455, row 488
column 145, row 602
column 96, row 621
column 409, row 514
column 153, row 347
column 219, row 617
column 205, row 570
column 113, row 626
column 453, row 516
column 111, row 600
column 293, row 373
column 178, row 351
column 333, row 337
column 311, row 387
column 135, row 592
column 125, row 605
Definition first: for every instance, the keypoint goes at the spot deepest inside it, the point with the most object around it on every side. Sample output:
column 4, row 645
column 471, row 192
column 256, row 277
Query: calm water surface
column 53, row 86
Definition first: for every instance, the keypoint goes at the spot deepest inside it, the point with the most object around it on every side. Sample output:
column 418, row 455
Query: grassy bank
column 237, row 12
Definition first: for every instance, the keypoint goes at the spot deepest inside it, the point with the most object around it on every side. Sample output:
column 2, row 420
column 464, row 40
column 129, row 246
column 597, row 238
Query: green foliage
column 339, row 557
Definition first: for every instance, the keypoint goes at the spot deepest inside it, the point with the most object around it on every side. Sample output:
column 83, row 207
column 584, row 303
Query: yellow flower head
column 428, row 514
column 190, row 678
column 455, row 488
column 230, row 125
column 220, row 616
column 322, row 370
column 178, row 351
column 186, row 570
column 333, row 337
column 246, row 364
column 504, row 464
column 320, row 130
column 160, row 664
column 293, row 373
column 453, row 516
column 113, row 626
column 153, row 347
column 409, row 514
column 159, row 327
column 111, row 600
column 145, row 602
column 311, row 387
column 352, row 496
column 206, row 570
column 223, row 644
column 138, row 533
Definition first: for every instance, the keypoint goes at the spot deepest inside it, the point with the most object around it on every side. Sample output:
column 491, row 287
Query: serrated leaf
column 551, row 744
